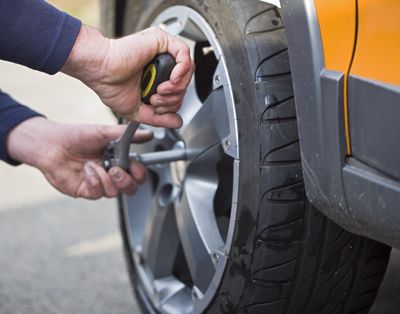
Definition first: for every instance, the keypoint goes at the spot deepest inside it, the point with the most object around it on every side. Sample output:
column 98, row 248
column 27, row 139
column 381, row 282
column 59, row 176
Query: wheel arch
column 319, row 108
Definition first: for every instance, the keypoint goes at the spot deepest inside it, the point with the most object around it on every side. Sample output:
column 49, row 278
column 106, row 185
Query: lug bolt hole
column 166, row 195
column 227, row 144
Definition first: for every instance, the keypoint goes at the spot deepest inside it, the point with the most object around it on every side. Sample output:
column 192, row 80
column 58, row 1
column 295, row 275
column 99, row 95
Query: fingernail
column 159, row 102
column 91, row 175
column 116, row 174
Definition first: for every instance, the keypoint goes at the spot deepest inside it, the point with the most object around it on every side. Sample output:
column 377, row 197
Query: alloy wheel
column 180, row 223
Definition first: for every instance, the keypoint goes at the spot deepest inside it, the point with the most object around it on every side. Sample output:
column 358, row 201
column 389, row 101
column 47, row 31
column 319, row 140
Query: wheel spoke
column 136, row 217
column 204, row 168
column 167, row 287
column 180, row 24
column 197, row 227
column 179, row 299
column 173, row 25
column 209, row 125
column 160, row 233
column 191, row 104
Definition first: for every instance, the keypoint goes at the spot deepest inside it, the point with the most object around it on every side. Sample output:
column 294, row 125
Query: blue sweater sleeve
column 35, row 34
column 11, row 114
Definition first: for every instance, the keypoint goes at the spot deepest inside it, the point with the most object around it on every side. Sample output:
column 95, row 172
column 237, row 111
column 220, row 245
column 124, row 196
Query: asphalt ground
column 60, row 255
column 63, row 256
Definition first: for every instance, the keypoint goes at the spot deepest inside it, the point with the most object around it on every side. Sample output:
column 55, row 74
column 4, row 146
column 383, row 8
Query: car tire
column 285, row 256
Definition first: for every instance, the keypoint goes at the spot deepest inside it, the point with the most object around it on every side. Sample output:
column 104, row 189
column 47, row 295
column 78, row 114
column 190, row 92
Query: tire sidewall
column 222, row 19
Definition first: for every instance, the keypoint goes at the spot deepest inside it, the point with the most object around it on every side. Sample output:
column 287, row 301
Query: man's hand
column 70, row 157
column 113, row 69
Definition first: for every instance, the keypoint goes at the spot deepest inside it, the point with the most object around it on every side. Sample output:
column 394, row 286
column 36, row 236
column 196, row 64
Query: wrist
column 28, row 140
column 87, row 56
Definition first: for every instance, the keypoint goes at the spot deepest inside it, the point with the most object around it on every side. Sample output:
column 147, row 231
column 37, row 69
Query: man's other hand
column 70, row 157
column 113, row 69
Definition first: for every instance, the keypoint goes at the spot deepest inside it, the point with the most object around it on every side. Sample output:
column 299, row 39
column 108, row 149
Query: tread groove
column 280, row 147
column 316, row 279
column 281, row 163
column 273, row 227
column 277, row 103
column 265, row 31
column 300, row 265
column 269, row 58
column 281, row 120
column 268, row 76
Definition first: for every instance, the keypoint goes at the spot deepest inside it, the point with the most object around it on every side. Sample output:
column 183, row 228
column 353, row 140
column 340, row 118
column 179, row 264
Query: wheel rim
column 180, row 223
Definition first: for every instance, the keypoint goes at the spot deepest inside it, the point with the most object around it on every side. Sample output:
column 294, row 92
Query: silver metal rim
column 179, row 225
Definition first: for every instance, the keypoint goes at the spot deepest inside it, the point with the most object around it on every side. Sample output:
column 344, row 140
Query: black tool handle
column 156, row 72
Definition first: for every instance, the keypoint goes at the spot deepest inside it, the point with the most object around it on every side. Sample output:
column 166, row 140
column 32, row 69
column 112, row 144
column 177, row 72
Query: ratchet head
column 117, row 152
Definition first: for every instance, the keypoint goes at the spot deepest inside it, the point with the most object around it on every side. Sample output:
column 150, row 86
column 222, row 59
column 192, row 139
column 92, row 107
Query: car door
column 374, row 87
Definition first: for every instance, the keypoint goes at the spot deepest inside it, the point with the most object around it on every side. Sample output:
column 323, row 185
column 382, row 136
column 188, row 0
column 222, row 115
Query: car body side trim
column 345, row 190
column 373, row 200
column 319, row 107
column 374, row 113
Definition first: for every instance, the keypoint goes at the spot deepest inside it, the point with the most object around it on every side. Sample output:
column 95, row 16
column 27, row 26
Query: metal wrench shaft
column 161, row 157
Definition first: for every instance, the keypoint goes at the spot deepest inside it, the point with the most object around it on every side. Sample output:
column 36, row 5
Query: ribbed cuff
column 61, row 49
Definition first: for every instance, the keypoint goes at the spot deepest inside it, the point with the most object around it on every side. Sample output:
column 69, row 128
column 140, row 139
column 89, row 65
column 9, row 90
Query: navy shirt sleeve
column 35, row 34
column 11, row 114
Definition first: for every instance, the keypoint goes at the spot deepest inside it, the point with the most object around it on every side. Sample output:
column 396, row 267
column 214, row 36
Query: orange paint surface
column 337, row 22
column 377, row 54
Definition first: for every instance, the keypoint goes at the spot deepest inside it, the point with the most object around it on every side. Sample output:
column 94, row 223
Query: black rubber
column 286, row 256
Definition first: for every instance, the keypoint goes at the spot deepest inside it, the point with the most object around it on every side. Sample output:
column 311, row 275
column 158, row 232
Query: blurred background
column 60, row 255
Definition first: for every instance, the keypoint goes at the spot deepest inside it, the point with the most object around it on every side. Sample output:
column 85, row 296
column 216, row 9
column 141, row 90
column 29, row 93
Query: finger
column 92, row 188
column 168, row 87
column 110, row 133
column 142, row 136
column 147, row 115
column 167, row 109
column 122, row 180
column 138, row 172
column 166, row 101
column 175, row 46
column 109, row 188
column 181, row 52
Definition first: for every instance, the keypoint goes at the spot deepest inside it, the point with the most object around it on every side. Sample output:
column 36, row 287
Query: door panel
column 377, row 55
column 374, row 87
